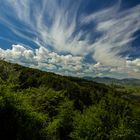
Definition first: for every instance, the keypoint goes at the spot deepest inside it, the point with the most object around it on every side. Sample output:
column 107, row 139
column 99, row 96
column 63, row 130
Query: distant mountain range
column 108, row 80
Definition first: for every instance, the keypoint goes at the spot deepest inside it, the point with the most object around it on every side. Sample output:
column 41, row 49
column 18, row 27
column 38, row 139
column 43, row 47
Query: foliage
column 36, row 105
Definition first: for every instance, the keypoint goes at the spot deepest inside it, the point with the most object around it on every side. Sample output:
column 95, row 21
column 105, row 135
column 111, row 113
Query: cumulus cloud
column 42, row 58
column 135, row 63
column 18, row 53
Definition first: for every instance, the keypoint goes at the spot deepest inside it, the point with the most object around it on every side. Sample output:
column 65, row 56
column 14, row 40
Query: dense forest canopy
column 37, row 105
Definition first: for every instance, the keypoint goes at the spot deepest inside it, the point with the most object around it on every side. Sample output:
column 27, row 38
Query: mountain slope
column 37, row 105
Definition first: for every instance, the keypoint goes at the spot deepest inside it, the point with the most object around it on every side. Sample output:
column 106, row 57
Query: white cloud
column 66, row 64
column 42, row 58
column 43, row 55
column 117, row 28
column 18, row 53
column 135, row 62
column 53, row 26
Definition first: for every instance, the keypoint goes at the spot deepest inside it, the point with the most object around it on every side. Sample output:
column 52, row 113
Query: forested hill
column 37, row 105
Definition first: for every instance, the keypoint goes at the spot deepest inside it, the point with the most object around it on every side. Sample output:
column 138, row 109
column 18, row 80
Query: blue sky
column 73, row 37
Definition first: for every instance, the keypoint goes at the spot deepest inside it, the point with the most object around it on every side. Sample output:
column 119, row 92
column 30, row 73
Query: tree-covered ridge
column 36, row 105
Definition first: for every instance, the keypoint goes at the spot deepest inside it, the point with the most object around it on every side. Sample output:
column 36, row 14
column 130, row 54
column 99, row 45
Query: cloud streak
column 57, row 29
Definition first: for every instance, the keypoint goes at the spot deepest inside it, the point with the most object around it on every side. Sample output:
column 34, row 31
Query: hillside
column 37, row 105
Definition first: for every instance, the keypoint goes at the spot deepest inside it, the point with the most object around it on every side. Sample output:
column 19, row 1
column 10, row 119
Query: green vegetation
column 36, row 105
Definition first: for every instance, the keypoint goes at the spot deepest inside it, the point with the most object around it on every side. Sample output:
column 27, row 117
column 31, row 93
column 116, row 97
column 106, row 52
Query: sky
column 82, row 38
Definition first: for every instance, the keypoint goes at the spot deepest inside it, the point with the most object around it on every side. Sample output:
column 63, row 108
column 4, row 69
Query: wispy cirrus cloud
column 117, row 28
column 59, row 27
